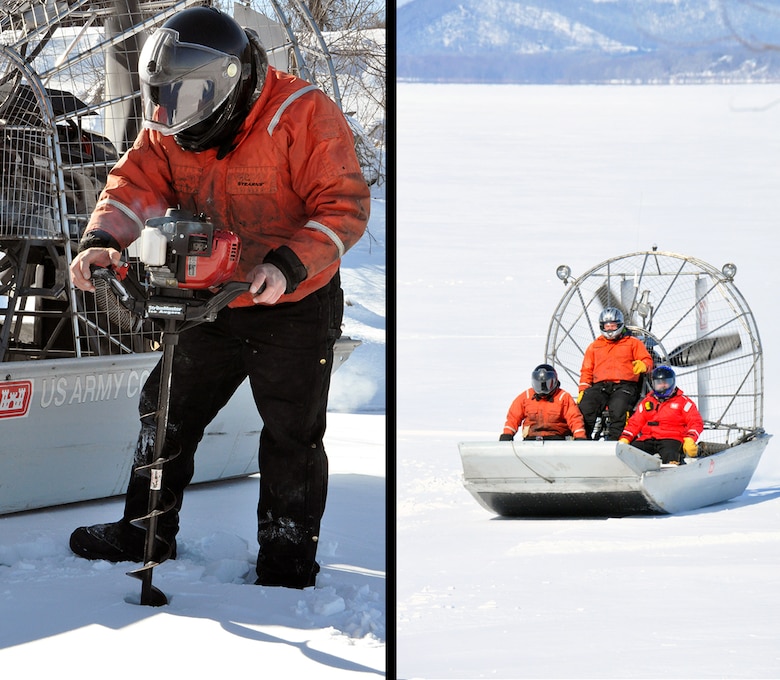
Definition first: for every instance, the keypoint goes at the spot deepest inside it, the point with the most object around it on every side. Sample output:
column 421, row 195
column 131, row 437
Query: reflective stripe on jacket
column 674, row 418
column 611, row 360
column 292, row 179
column 541, row 417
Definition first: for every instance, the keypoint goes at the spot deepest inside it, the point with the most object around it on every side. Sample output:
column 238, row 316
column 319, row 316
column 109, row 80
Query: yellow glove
column 690, row 448
column 579, row 396
column 623, row 440
column 638, row 366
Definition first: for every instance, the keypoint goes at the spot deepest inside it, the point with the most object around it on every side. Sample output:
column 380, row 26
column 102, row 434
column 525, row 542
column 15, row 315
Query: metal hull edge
column 68, row 429
column 600, row 479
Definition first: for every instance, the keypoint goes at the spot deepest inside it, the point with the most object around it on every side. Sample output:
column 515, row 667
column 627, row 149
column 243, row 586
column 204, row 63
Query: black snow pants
column 286, row 351
column 619, row 397
column 670, row 450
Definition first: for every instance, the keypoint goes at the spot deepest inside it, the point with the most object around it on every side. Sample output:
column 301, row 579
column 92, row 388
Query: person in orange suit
column 611, row 374
column 272, row 158
column 545, row 411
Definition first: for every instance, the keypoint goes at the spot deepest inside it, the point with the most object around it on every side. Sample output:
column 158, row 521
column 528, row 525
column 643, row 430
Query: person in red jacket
column 610, row 375
column 545, row 411
column 665, row 421
column 270, row 157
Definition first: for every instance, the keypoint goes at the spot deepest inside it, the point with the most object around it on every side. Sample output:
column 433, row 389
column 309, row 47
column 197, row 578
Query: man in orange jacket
column 270, row 157
column 610, row 375
column 665, row 421
column 545, row 411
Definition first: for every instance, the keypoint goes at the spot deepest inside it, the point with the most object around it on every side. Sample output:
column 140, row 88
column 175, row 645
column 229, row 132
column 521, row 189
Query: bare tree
column 342, row 43
column 354, row 34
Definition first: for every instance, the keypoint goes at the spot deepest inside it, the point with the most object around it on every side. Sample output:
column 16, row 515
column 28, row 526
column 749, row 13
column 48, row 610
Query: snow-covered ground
column 497, row 186
column 69, row 618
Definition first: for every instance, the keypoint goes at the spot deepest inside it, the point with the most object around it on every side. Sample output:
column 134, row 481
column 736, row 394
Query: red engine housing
column 203, row 267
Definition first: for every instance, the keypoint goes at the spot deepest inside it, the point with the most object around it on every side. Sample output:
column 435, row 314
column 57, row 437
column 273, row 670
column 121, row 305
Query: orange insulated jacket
column 543, row 415
column 611, row 360
column 292, row 179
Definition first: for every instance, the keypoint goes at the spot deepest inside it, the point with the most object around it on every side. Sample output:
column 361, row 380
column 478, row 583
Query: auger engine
column 182, row 251
column 188, row 270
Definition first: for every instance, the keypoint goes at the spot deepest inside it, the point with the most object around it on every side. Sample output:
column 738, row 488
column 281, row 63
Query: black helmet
column 611, row 315
column 198, row 73
column 544, row 379
column 663, row 381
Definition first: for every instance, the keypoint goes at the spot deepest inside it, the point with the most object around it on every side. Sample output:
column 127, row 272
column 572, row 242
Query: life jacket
column 674, row 418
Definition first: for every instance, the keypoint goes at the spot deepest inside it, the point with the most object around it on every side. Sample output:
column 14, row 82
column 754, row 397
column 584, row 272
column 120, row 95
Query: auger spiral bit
column 156, row 549
column 158, row 504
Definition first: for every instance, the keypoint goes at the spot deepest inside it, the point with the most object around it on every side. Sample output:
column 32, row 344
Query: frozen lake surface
column 497, row 186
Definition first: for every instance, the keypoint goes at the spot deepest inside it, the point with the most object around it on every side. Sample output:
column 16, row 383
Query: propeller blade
column 608, row 299
column 699, row 351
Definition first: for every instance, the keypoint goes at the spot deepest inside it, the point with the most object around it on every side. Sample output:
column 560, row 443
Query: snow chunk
column 227, row 571
column 220, row 546
column 226, row 557
column 328, row 604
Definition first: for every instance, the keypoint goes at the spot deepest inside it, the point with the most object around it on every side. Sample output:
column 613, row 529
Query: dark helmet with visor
column 611, row 315
column 544, row 379
column 197, row 76
column 663, row 381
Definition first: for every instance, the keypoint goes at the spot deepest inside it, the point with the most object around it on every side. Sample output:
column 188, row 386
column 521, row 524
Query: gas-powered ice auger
column 188, row 265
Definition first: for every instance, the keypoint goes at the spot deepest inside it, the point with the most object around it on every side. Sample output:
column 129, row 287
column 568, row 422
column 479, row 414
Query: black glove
column 506, row 438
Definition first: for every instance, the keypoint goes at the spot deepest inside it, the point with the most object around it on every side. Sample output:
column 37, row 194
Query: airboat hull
column 599, row 478
column 69, row 429
column 71, row 366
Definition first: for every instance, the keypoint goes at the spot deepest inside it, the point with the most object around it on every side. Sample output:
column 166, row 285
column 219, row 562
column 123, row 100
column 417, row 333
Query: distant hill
column 588, row 41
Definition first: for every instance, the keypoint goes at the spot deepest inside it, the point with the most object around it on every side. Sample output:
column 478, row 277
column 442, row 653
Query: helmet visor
column 663, row 383
column 544, row 381
column 182, row 84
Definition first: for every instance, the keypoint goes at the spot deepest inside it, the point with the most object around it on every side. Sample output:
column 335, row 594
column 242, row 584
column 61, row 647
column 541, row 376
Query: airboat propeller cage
column 689, row 315
column 184, row 251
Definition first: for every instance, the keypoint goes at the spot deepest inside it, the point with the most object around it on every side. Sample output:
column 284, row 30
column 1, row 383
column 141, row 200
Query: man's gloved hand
column 579, row 396
column 690, row 448
column 623, row 440
column 506, row 438
column 638, row 366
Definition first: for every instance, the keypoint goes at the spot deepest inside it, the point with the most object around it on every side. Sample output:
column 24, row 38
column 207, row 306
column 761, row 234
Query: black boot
column 295, row 578
column 287, row 555
column 118, row 542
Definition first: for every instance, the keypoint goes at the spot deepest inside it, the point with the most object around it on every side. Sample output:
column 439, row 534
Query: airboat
column 690, row 315
column 71, row 375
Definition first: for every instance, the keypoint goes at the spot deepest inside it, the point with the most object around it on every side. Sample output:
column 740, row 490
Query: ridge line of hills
column 589, row 41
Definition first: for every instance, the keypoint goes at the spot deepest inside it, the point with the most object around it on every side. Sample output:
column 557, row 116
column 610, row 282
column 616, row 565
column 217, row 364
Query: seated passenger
column 611, row 372
column 665, row 421
column 545, row 411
